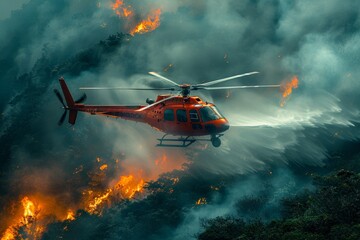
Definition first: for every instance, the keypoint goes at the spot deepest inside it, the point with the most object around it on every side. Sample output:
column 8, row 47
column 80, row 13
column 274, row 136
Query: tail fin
column 69, row 101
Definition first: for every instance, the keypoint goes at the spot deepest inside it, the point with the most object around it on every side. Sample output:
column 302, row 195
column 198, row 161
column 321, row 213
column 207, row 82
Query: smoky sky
column 319, row 42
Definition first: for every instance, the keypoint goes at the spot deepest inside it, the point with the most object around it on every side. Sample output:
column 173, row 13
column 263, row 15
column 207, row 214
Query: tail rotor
column 70, row 104
column 81, row 99
column 61, row 99
column 58, row 94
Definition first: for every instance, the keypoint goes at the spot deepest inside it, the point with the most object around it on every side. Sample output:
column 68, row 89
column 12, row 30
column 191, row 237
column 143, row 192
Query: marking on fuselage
column 125, row 114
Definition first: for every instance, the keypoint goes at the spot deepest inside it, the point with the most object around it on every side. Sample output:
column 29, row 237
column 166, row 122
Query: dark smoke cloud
column 204, row 40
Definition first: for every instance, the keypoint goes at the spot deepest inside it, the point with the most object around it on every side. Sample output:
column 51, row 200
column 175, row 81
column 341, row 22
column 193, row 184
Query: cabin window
column 194, row 116
column 208, row 114
column 169, row 115
column 181, row 115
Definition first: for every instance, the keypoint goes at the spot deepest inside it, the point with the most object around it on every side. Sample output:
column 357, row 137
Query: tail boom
column 125, row 112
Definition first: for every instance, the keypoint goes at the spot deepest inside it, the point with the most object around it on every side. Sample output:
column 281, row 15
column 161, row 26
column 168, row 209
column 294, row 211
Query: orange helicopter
column 174, row 114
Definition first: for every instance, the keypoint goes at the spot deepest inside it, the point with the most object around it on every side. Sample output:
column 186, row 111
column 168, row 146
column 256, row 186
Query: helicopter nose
column 225, row 126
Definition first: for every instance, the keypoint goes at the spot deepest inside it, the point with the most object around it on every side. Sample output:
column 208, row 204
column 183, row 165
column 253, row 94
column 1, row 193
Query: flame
column 29, row 210
column 129, row 186
column 103, row 167
column 70, row 215
column 286, row 89
column 32, row 213
column 9, row 234
column 121, row 10
column 28, row 221
column 98, row 201
column 125, row 188
column 150, row 24
column 201, row 201
column 126, row 11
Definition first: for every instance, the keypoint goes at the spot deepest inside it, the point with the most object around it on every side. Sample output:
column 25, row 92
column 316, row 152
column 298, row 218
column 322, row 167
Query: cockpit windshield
column 210, row 113
column 217, row 111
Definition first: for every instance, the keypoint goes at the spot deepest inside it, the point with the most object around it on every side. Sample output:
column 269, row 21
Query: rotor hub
column 185, row 89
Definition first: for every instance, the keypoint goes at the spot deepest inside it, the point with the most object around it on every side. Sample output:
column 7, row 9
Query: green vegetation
column 332, row 211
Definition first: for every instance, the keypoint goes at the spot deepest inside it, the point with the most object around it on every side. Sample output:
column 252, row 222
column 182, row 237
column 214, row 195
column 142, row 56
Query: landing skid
column 175, row 142
column 185, row 142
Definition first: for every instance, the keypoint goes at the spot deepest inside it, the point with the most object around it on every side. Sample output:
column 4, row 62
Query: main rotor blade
column 57, row 93
column 225, row 79
column 124, row 88
column 237, row 87
column 164, row 78
column 155, row 103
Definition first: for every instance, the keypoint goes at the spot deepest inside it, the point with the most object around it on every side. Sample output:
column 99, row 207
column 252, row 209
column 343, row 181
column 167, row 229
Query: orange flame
column 201, row 201
column 29, row 210
column 70, row 215
column 126, row 11
column 9, row 234
column 33, row 213
column 103, row 167
column 28, row 220
column 129, row 186
column 98, row 201
column 286, row 89
column 148, row 25
column 121, row 10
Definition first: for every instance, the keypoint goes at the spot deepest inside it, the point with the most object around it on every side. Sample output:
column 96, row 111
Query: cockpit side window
column 181, row 115
column 194, row 116
column 208, row 114
column 169, row 115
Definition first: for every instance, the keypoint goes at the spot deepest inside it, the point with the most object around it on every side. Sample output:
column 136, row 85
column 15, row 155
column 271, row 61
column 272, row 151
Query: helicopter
column 187, row 117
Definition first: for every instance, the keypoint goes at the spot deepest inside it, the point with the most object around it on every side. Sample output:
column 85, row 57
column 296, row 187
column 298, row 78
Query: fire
column 121, row 10
column 9, row 234
column 70, row 215
column 129, row 186
column 98, row 201
column 150, row 24
column 125, row 188
column 201, row 201
column 34, row 212
column 286, row 89
column 28, row 221
column 103, row 167
column 29, row 210
column 126, row 11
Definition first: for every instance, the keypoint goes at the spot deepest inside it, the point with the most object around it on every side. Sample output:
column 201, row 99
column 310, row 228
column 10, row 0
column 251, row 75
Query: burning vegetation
column 126, row 11
column 28, row 224
column 109, row 182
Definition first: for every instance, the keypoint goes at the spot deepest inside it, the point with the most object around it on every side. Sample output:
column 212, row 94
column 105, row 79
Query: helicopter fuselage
column 185, row 116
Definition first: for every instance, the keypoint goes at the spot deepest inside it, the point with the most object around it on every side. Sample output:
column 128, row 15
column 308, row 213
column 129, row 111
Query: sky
column 204, row 40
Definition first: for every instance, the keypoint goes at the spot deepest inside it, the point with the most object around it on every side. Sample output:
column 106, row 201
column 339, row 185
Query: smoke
column 202, row 40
